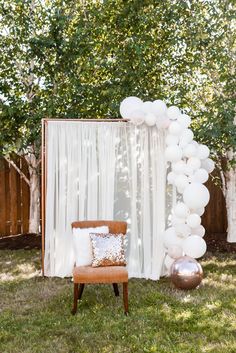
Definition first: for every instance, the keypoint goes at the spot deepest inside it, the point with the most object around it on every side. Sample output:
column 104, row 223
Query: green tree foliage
column 79, row 59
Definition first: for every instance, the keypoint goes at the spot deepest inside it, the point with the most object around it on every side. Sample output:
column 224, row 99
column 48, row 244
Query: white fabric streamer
column 105, row 170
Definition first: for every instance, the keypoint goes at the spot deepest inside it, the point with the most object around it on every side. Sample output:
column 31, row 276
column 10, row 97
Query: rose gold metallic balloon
column 186, row 273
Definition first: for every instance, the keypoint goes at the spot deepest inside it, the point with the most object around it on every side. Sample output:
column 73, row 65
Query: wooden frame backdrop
column 44, row 169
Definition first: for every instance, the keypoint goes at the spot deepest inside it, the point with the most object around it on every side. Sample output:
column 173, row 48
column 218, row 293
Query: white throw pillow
column 83, row 246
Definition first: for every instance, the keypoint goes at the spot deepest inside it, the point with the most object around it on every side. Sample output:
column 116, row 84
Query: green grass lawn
column 35, row 312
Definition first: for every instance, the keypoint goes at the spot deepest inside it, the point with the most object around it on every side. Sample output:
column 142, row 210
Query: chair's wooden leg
column 76, row 293
column 116, row 289
column 81, row 289
column 125, row 297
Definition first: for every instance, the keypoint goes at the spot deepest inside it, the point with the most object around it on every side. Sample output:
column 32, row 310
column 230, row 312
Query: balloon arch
column 190, row 166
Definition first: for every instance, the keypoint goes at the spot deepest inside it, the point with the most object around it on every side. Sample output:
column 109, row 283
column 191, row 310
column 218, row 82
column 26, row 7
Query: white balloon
column 128, row 105
column 178, row 167
column 194, row 163
column 193, row 220
column 166, row 123
column 200, row 211
column 171, row 140
column 200, row 176
column 159, row 107
column 184, row 120
column 137, row 116
column 208, row 164
column 186, row 137
column 150, row 119
column 181, row 210
column 176, row 220
column 188, row 170
column 147, row 107
column 173, row 153
column 203, row 152
column 160, row 122
column 175, row 251
column 182, row 230
column 189, row 150
column 168, row 262
column 196, row 195
column 173, row 112
column 200, row 231
column 194, row 246
column 171, row 177
column 181, row 181
column 170, row 237
column 175, row 128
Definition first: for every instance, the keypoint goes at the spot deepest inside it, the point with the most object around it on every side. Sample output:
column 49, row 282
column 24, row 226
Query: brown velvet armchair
column 111, row 274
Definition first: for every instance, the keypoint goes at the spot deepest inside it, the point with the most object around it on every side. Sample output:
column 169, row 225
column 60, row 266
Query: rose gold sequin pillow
column 108, row 249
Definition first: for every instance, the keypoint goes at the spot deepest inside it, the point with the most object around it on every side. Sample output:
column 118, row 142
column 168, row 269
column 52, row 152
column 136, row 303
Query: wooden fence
column 14, row 199
column 14, row 203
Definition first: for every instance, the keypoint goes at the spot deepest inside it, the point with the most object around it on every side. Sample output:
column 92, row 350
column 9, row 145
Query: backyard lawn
column 35, row 312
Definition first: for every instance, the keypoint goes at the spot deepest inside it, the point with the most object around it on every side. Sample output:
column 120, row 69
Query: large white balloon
column 196, row 196
column 190, row 150
column 170, row 237
column 178, row 167
column 171, row 140
column 208, row 165
column 203, row 152
column 200, row 176
column 173, row 153
column 182, row 230
column 181, row 181
column 150, row 119
column 193, row 220
column 194, row 246
column 159, row 107
column 181, row 210
column 175, row 251
column 175, row 128
column 128, row 105
column 194, row 163
column 200, row 231
column 173, row 112
column 184, row 120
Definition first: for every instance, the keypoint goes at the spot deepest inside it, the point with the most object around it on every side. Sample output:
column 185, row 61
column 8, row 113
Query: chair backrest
column 114, row 226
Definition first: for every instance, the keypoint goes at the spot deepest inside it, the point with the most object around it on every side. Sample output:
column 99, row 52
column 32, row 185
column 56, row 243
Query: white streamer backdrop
column 106, row 170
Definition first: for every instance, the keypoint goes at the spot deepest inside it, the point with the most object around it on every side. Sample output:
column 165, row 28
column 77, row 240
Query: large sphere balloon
column 196, row 196
column 208, row 165
column 184, row 120
column 173, row 153
column 181, row 210
column 175, row 251
column 128, row 105
column 194, row 246
column 203, row 152
column 193, row 220
column 186, row 273
column 173, row 112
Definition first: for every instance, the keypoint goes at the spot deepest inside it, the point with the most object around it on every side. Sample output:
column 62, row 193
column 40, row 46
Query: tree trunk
column 34, row 215
column 230, row 198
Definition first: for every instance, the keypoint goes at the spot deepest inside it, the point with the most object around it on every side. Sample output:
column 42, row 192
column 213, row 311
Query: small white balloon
column 178, row 167
column 200, row 231
column 150, row 119
column 168, row 262
column 184, row 120
column 175, row 251
column 193, row 220
column 170, row 237
column 171, row 177
column 194, row 163
column 186, row 137
column 196, row 196
column 171, row 140
column 147, row 107
column 188, row 170
column 181, row 181
column 173, row 112
column 200, row 211
column 175, row 128
column 190, row 150
column 176, row 220
column 173, row 153
column 137, row 116
column 194, row 246
column 159, row 107
column 203, row 152
column 208, row 165
column 181, row 210
column 200, row 176
column 166, row 123
column 182, row 230
column 128, row 105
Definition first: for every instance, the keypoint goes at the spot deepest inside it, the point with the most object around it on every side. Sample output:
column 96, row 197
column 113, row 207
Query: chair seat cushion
column 89, row 274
